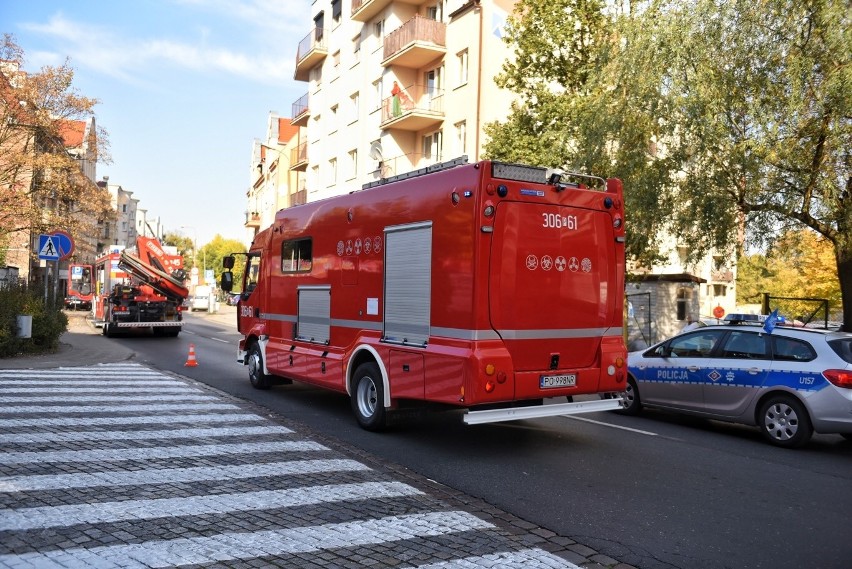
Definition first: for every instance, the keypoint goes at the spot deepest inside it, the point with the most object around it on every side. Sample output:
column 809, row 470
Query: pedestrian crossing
column 119, row 465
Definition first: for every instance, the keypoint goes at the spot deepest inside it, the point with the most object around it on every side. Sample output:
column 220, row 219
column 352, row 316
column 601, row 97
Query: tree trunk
column 843, row 254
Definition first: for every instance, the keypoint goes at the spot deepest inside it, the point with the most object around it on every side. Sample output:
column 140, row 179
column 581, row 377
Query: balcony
column 404, row 163
column 415, row 43
column 313, row 49
column 413, row 108
column 366, row 10
column 300, row 111
column 722, row 276
column 299, row 157
column 252, row 219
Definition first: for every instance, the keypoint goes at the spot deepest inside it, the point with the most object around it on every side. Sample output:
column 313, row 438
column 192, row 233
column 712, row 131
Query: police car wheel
column 784, row 421
column 258, row 379
column 630, row 395
column 368, row 397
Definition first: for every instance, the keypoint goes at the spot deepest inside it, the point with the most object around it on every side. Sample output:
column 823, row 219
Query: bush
column 48, row 323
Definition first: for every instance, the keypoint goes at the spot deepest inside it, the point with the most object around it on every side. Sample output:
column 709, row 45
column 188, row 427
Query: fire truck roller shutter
column 408, row 283
column 314, row 319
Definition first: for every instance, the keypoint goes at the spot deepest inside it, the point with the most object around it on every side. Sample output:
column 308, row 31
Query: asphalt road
column 655, row 491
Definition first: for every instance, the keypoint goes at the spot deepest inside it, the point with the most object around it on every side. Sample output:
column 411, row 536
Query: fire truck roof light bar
column 460, row 161
column 538, row 411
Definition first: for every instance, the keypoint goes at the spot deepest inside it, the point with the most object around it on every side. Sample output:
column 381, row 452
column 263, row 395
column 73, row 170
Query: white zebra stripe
column 176, row 475
column 115, row 408
column 106, row 398
column 129, row 389
column 525, row 559
column 231, row 546
column 156, row 452
column 30, row 437
column 139, row 420
column 81, row 372
column 38, row 385
column 110, row 512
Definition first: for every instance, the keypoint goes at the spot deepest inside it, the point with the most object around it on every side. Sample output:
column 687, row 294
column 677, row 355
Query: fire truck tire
column 368, row 397
column 258, row 379
column 107, row 330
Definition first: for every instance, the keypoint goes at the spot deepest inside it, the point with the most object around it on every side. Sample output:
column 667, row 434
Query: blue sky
column 185, row 87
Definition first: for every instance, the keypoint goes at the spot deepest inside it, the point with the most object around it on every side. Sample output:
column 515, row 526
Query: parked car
column 74, row 302
column 790, row 381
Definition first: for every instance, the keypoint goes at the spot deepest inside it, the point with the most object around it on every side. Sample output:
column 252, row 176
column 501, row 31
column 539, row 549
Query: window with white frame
column 332, row 171
column 462, row 57
column 436, row 11
column 353, row 163
column 432, row 147
column 314, row 181
column 332, row 125
column 356, row 48
column 354, row 103
column 379, row 35
column 378, row 94
column 461, row 138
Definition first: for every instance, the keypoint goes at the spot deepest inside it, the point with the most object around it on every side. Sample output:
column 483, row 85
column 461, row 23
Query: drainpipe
column 478, row 8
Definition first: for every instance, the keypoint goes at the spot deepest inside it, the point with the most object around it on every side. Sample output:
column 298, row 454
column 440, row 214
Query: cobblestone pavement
column 118, row 465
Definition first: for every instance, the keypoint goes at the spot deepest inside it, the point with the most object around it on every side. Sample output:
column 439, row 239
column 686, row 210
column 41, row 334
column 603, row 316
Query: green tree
column 184, row 246
column 729, row 121
column 218, row 249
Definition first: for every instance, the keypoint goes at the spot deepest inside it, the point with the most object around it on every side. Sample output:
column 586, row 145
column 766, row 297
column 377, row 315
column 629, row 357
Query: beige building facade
column 393, row 86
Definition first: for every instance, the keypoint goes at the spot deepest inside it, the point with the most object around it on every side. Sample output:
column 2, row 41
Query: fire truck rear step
column 538, row 411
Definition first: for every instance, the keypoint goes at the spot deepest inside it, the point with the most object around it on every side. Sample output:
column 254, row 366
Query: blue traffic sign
column 48, row 248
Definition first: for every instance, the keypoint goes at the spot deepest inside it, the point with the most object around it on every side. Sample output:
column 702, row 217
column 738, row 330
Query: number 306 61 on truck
column 490, row 287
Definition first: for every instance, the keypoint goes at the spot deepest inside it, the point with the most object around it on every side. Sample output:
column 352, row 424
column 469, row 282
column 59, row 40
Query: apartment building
column 393, row 86
column 273, row 183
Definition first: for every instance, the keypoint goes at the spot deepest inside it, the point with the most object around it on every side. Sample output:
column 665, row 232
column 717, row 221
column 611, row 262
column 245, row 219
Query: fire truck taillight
column 489, row 386
column 616, row 222
column 488, row 211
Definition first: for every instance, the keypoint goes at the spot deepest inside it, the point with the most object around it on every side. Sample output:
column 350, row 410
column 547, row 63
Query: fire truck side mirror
column 227, row 281
column 228, row 262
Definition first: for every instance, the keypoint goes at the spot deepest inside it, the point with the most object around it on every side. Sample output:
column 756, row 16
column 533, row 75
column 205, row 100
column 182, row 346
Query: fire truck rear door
column 408, row 283
column 551, row 284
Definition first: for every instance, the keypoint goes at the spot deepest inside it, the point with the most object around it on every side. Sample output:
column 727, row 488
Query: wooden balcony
column 313, row 49
column 300, row 111
column 299, row 157
column 413, row 108
column 722, row 276
column 366, row 10
column 415, row 43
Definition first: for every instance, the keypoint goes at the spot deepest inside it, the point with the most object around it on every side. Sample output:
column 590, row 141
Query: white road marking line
column 52, row 409
column 175, row 475
column 231, row 546
column 138, row 420
column 109, row 512
column 120, row 454
column 574, row 418
column 201, row 434
column 107, row 398
column 525, row 559
column 219, row 340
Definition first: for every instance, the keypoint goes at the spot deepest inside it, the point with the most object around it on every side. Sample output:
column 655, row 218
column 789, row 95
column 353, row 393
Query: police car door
column 673, row 376
column 734, row 378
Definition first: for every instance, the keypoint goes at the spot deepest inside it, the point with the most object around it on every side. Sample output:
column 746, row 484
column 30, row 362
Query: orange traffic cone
column 191, row 361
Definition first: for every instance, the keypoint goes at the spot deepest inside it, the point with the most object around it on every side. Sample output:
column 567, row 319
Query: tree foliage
column 41, row 185
column 729, row 121
column 218, row 249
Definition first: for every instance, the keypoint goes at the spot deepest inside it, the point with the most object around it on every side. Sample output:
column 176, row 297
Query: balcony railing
column 415, row 43
column 252, row 219
column 300, row 111
column 312, row 50
column 722, row 276
column 405, row 163
column 299, row 157
column 413, row 108
column 365, row 10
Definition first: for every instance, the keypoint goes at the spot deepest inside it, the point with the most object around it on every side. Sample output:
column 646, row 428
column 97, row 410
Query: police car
column 788, row 381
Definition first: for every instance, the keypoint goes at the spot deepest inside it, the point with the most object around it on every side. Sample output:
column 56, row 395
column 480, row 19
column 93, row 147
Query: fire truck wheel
column 258, row 379
column 107, row 330
column 368, row 397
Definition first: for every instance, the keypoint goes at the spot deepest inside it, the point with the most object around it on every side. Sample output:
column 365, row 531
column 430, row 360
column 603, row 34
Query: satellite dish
column 376, row 151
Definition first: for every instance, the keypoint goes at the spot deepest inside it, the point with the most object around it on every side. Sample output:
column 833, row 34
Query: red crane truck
column 491, row 287
column 140, row 290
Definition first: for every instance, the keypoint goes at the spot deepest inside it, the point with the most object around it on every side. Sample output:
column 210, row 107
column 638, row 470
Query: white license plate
column 549, row 381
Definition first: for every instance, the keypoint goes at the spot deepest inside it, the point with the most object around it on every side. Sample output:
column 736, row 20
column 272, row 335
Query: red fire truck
column 493, row 287
column 141, row 289
column 79, row 292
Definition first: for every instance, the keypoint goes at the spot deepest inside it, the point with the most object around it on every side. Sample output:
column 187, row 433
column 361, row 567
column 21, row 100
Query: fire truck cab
column 491, row 287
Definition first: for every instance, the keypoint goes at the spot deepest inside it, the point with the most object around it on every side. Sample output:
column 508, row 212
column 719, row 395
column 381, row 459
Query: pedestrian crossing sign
column 47, row 248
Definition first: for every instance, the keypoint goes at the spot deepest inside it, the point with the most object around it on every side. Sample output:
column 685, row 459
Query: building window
column 436, row 11
column 432, row 147
column 353, row 163
column 354, row 103
column 461, row 138
column 336, row 10
column 332, row 171
column 378, row 35
column 378, row 94
column 356, row 48
column 720, row 290
column 684, row 300
column 332, row 125
column 124, row 208
column 463, row 62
